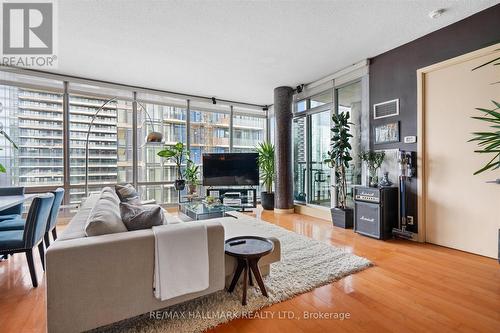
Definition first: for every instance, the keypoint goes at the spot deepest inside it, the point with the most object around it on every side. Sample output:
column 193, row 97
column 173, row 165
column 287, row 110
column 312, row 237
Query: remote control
column 237, row 242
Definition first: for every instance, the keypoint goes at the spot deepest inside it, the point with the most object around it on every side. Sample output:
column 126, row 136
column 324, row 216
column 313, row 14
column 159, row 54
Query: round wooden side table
column 248, row 250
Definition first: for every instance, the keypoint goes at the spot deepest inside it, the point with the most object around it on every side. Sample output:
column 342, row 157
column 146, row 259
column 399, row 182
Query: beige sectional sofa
column 95, row 281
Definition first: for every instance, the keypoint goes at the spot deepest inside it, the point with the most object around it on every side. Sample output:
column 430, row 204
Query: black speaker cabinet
column 375, row 211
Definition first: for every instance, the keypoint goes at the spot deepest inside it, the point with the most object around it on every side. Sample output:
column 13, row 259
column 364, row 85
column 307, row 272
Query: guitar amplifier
column 375, row 211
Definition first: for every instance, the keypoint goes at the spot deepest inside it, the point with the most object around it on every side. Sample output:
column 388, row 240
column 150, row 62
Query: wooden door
column 462, row 211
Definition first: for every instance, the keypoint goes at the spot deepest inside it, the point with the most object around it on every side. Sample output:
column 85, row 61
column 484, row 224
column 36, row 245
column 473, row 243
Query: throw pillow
column 104, row 219
column 141, row 217
column 127, row 193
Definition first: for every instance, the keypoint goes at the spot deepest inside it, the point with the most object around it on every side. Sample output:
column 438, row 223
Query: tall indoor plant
column 374, row 160
column 179, row 155
column 338, row 158
column 267, row 173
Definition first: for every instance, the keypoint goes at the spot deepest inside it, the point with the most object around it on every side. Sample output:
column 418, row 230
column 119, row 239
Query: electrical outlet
column 409, row 220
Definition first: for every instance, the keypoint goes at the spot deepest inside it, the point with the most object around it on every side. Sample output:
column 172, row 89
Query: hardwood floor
column 411, row 288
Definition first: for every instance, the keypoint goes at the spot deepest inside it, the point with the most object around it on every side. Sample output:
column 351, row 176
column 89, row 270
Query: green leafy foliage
column 6, row 136
column 489, row 142
column 372, row 159
column 177, row 154
column 266, row 164
column 192, row 173
column 340, row 154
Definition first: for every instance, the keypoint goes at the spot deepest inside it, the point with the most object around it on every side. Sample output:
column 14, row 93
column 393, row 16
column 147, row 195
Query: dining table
column 8, row 201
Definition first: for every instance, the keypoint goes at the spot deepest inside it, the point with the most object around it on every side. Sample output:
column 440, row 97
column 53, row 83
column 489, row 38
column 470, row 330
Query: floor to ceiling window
column 31, row 114
column 209, row 129
column 168, row 116
column 311, row 142
column 35, row 111
column 249, row 129
column 313, row 179
column 110, row 137
column 319, row 192
column 299, row 159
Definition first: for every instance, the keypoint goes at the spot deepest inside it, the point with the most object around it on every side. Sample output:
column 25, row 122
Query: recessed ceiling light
column 436, row 13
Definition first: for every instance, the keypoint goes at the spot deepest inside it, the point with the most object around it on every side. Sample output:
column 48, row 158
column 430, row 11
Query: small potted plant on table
column 338, row 158
column 267, row 173
column 191, row 174
column 179, row 155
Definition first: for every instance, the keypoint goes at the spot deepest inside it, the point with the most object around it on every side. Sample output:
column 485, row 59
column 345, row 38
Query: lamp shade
column 154, row 137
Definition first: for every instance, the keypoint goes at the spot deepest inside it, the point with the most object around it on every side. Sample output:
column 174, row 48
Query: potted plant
column 179, row 155
column 338, row 158
column 267, row 173
column 192, row 172
column 374, row 160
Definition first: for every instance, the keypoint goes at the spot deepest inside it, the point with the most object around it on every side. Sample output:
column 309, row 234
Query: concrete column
column 283, row 201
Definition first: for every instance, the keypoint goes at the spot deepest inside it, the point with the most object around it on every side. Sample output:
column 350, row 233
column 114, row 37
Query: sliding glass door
column 349, row 100
column 319, row 172
column 313, row 179
column 299, row 159
column 311, row 142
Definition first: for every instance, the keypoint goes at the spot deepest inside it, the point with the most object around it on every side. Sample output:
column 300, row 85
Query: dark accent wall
column 393, row 73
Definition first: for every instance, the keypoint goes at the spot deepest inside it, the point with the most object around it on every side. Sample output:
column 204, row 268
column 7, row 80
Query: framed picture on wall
column 387, row 133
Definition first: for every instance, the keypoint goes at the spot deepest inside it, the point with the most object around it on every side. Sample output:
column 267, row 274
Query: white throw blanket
column 181, row 259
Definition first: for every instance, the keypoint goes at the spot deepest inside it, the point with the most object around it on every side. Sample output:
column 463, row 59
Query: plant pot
column 180, row 184
column 267, row 200
column 342, row 218
column 191, row 189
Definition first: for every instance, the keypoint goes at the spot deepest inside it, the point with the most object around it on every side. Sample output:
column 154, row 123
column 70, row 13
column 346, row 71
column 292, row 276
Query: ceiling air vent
column 386, row 109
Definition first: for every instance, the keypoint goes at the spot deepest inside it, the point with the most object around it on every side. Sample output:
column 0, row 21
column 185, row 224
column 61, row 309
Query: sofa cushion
column 109, row 194
column 141, row 217
column 76, row 227
column 105, row 217
column 127, row 193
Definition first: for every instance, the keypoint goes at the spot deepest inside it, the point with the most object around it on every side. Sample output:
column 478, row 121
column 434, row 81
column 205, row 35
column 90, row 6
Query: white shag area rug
column 305, row 264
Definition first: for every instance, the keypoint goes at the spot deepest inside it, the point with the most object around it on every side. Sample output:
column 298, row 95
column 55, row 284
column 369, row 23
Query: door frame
column 421, row 167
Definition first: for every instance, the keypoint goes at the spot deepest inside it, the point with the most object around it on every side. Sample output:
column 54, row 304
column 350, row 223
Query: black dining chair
column 15, row 241
column 15, row 211
column 54, row 212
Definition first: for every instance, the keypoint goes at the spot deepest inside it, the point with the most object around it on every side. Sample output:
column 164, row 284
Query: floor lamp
column 153, row 137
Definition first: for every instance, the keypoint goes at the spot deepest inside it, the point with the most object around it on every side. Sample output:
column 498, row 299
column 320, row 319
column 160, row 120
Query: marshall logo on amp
column 367, row 219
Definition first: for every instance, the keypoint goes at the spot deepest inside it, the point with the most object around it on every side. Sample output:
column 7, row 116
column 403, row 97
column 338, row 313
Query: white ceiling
column 238, row 50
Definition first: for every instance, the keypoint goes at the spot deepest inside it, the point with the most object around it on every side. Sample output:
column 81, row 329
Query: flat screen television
column 230, row 169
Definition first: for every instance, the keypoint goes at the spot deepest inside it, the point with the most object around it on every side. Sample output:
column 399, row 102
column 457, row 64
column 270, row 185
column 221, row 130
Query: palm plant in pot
column 179, row 155
column 338, row 158
column 192, row 173
column 267, row 173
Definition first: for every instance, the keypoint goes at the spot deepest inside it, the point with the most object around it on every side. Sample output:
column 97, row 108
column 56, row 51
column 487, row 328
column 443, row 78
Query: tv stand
column 240, row 198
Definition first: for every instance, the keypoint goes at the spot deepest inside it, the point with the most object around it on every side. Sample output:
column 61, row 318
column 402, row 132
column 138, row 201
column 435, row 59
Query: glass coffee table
column 201, row 211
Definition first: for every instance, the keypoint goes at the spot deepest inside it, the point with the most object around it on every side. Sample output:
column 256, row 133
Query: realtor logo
column 28, row 38
column 27, row 28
